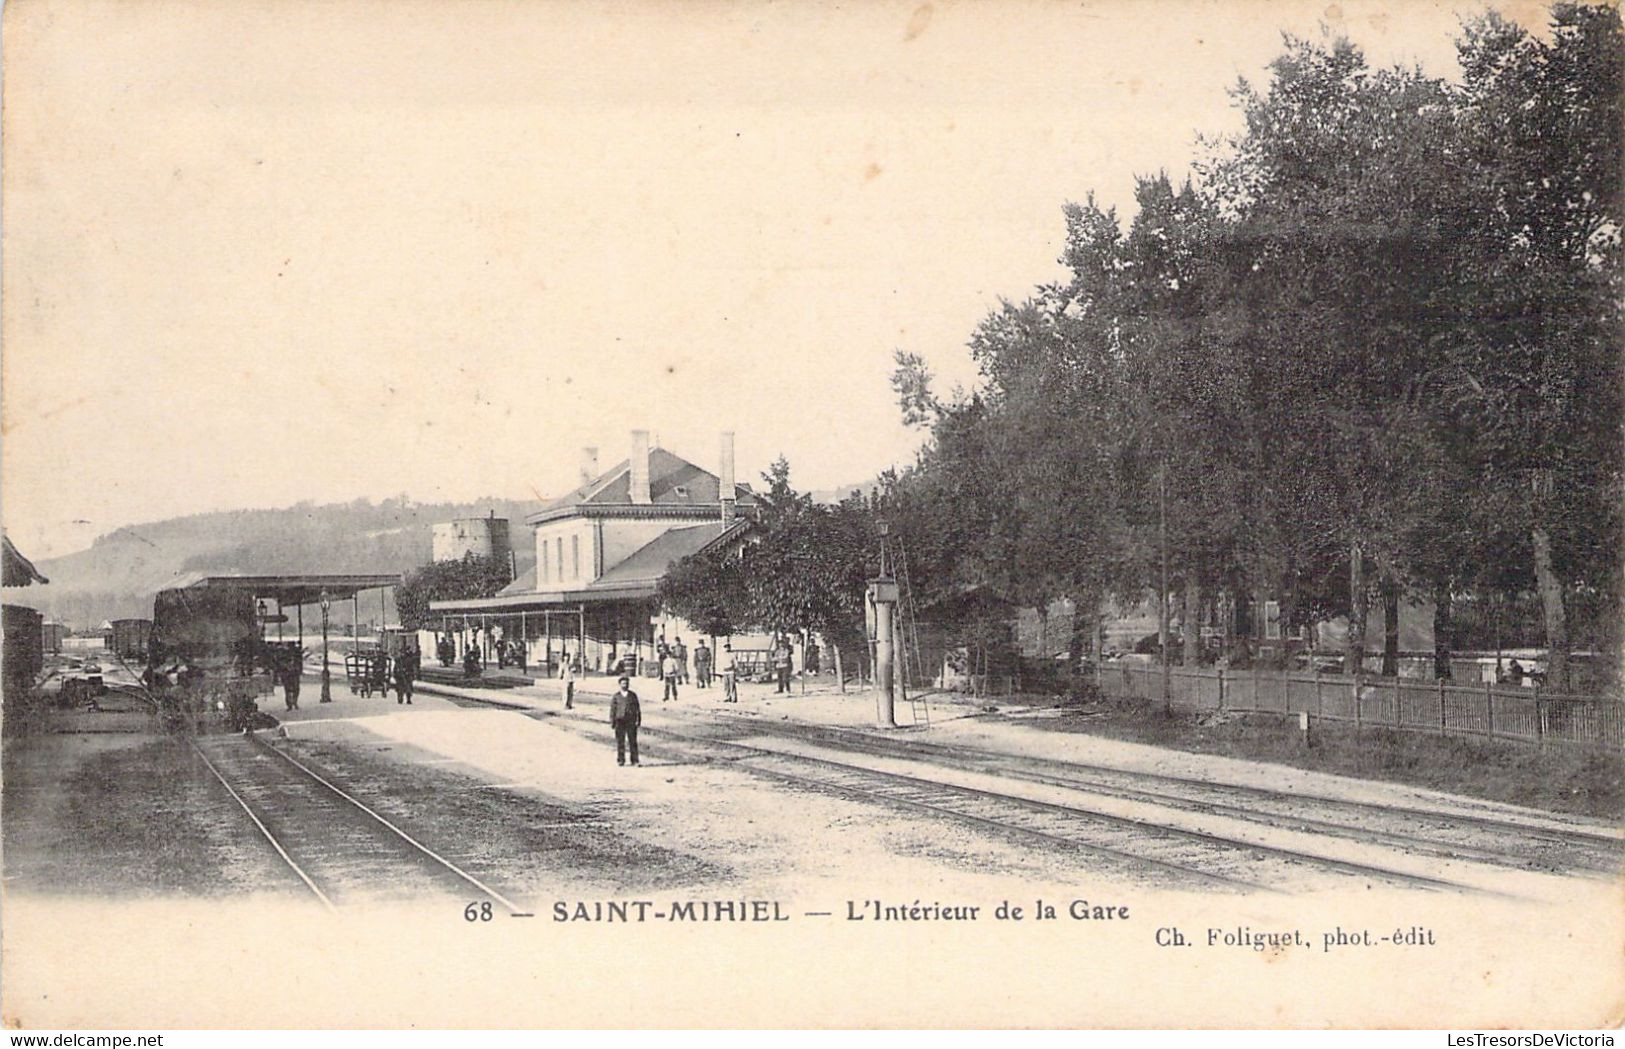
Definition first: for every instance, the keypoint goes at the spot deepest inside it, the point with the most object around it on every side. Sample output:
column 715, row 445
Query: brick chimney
column 589, row 465
column 726, row 489
column 639, row 479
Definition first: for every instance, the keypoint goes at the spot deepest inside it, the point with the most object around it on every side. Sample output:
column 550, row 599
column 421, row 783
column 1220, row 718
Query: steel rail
column 1289, row 855
column 361, row 806
column 263, row 829
column 1551, row 835
column 991, row 763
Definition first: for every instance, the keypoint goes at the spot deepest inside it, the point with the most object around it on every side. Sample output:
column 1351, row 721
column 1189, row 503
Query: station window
column 560, row 548
column 541, row 565
column 575, row 555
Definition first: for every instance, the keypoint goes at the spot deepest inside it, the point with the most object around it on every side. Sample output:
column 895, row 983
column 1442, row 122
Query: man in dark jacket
column 293, row 665
column 625, row 715
column 405, row 671
column 781, row 665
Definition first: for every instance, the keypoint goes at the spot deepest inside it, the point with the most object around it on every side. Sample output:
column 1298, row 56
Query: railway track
column 1180, row 856
column 1189, row 855
column 340, row 849
column 1453, row 836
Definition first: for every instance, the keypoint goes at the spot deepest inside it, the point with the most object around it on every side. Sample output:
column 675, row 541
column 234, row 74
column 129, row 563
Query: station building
column 601, row 552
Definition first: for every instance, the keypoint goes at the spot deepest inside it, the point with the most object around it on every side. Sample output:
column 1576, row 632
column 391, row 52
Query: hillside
column 122, row 570
column 846, row 491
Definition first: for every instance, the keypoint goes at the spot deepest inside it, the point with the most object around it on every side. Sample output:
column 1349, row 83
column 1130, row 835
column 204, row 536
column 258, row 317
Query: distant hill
column 841, row 492
column 118, row 576
column 122, row 570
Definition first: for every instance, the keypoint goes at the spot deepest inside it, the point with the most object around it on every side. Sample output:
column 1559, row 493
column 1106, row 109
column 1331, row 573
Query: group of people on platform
column 673, row 662
column 674, row 668
column 508, row 652
column 381, row 673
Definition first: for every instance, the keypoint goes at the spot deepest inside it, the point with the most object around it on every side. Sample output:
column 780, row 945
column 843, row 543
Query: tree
column 708, row 590
column 470, row 578
column 1372, row 351
column 1337, row 187
column 1532, row 367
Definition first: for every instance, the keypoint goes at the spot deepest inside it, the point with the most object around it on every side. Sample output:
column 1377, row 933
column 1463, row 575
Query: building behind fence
column 1407, row 704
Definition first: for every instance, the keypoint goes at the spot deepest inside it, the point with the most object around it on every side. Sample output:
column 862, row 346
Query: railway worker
column 702, row 665
column 567, row 679
column 471, row 660
column 670, row 673
column 403, row 677
column 625, row 715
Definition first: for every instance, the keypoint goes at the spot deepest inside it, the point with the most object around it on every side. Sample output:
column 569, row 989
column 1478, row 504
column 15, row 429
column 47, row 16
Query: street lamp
column 327, row 676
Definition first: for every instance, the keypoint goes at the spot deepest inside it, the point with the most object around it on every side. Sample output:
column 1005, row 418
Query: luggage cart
column 360, row 671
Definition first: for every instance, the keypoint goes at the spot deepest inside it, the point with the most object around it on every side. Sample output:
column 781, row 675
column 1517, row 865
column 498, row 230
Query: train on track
column 206, row 658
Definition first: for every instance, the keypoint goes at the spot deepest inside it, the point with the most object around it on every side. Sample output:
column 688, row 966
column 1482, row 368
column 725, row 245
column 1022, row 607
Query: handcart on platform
column 367, row 672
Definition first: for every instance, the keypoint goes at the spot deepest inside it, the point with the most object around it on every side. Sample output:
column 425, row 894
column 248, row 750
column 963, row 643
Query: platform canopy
column 295, row 589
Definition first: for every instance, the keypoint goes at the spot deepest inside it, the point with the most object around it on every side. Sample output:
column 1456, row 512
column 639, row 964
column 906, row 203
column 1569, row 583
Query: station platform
column 491, row 677
column 819, row 702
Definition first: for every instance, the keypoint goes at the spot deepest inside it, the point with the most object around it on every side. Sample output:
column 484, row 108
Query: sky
column 269, row 251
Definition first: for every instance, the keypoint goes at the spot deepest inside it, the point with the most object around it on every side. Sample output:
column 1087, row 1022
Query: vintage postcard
column 747, row 514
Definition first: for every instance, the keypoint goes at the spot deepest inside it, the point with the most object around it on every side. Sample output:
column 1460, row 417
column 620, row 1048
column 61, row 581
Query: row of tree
column 1370, row 352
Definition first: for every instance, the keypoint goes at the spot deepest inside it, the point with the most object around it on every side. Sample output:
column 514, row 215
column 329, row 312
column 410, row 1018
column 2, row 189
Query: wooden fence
column 1524, row 715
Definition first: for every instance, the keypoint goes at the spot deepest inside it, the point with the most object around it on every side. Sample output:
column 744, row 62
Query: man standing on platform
column 730, row 674
column 567, row 679
column 625, row 715
column 669, row 671
column 405, row 671
column 293, row 665
column 781, row 665
column 680, row 650
column 702, row 665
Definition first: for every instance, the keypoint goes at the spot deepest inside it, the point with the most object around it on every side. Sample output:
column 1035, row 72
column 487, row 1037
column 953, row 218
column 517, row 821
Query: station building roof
column 635, row 578
column 676, row 488
column 294, row 589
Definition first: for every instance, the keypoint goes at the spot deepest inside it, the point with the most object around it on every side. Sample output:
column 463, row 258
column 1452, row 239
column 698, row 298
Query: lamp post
column 327, row 676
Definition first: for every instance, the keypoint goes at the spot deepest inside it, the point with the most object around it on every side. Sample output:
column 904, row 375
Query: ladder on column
column 912, row 662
